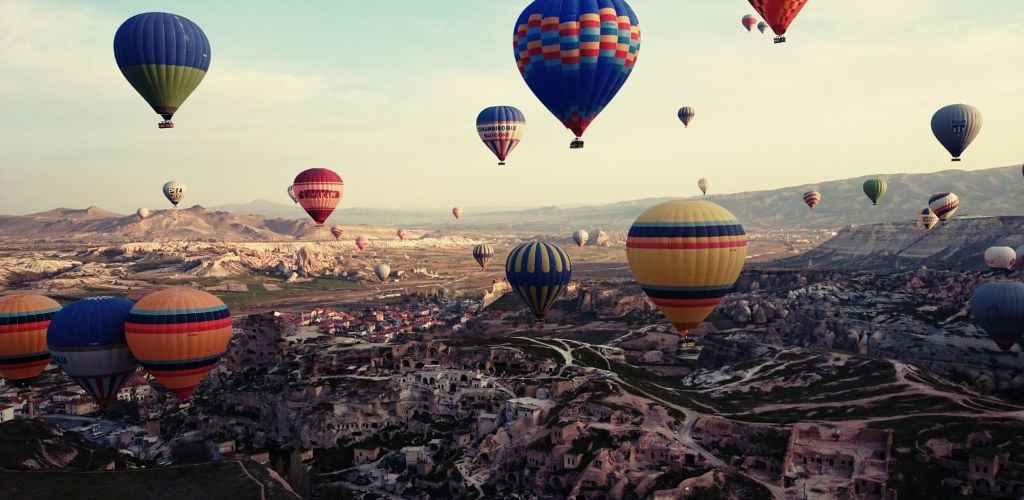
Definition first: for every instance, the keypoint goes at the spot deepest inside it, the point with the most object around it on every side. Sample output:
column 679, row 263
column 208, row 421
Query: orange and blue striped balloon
column 538, row 272
column 24, row 318
column 178, row 334
column 686, row 255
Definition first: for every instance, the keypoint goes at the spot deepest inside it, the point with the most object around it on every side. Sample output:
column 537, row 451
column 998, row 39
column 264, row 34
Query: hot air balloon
column 164, row 56
column 778, row 14
column 174, row 191
column 762, row 26
column 686, row 115
column 580, row 237
column 483, row 254
column 944, row 205
column 319, row 190
column 812, row 198
column 748, row 22
column 501, row 128
column 143, row 213
column 402, row 233
column 457, row 213
column 337, row 231
column 291, row 194
column 24, row 318
column 998, row 308
column 686, row 255
column 1000, row 257
column 927, row 219
column 875, row 189
column 956, row 126
column 575, row 56
column 538, row 272
column 178, row 334
column 382, row 271
column 87, row 342
column 362, row 242
column 704, row 185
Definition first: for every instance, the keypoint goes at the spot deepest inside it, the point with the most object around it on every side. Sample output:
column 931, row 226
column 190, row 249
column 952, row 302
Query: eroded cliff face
column 37, row 445
column 957, row 244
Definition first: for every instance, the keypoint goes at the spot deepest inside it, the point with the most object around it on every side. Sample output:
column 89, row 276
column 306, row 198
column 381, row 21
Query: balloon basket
column 165, row 124
column 955, row 159
column 780, row 39
column 576, row 143
column 501, row 163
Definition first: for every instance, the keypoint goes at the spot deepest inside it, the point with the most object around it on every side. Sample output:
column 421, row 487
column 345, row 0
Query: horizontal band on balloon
column 147, row 316
column 164, row 87
column 642, row 244
column 184, row 365
column 685, row 229
column 28, row 329
column 215, row 306
column 707, row 293
column 27, row 317
column 16, row 360
column 56, row 350
column 686, row 303
column 178, row 328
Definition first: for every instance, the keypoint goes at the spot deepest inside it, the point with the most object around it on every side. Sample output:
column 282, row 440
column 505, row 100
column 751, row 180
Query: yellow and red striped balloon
column 686, row 255
column 24, row 318
column 178, row 334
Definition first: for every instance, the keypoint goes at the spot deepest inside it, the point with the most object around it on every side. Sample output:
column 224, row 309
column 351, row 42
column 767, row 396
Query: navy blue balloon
column 998, row 308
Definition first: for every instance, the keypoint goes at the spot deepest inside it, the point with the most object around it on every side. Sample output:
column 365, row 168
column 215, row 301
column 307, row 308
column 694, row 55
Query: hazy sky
column 385, row 92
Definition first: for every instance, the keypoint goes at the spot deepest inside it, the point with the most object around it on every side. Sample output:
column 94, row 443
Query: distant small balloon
column 704, row 185
column 762, row 26
column 174, row 191
column 580, row 237
column 291, row 194
column 382, row 271
column 875, row 190
column 143, row 213
column 457, row 213
column 1000, row 257
column 955, row 126
column 748, row 22
column 686, row 114
column 927, row 219
column 362, row 242
column 944, row 205
column 812, row 198
column 482, row 254
column 337, row 231
column 402, row 233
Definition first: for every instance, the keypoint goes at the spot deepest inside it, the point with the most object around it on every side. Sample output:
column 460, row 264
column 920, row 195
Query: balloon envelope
column 362, row 242
column 779, row 14
column 748, row 22
column 955, row 126
column 142, row 213
column 319, row 191
column 382, row 271
column 1000, row 257
column 998, row 308
column 501, row 128
column 402, row 233
column 291, row 194
column 686, row 114
column 575, row 56
column 538, row 272
column 812, row 198
column 944, row 205
column 762, row 27
column 457, row 213
column 178, row 334
column 686, row 255
column 580, row 237
column 875, row 189
column 704, row 185
column 87, row 342
column 174, row 191
column 482, row 254
column 164, row 56
column 927, row 219
column 337, row 231
column 24, row 318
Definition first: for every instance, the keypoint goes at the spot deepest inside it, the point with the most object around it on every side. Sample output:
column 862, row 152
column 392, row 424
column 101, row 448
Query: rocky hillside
column 959, row 244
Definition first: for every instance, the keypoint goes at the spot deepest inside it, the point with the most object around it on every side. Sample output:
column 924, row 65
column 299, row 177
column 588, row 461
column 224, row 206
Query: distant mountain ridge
column 990, row 192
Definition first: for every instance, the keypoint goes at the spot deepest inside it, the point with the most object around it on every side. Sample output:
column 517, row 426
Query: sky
column 386, row 93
